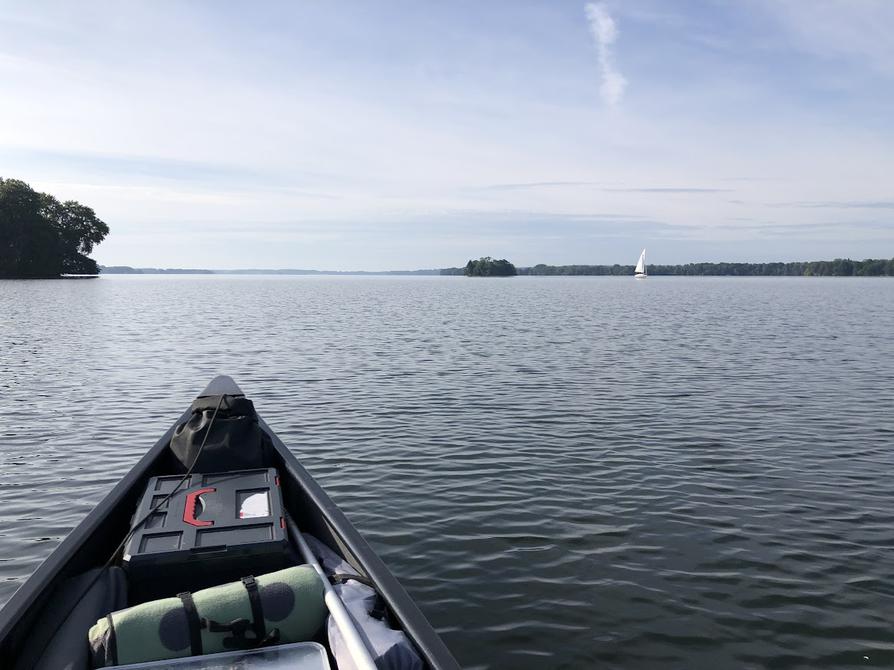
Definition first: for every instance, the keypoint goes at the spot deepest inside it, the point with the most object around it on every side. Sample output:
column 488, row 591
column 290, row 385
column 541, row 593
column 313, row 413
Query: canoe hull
column 94, row 539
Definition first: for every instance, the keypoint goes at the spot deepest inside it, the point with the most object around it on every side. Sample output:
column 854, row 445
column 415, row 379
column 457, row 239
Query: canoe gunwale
column 305, row 499
column 75, row 554
column 358, row 552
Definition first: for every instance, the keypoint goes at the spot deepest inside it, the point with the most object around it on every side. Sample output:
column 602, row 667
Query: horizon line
column 129, row 269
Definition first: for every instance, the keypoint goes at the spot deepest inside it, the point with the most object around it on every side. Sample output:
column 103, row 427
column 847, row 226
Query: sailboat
column 640, row 271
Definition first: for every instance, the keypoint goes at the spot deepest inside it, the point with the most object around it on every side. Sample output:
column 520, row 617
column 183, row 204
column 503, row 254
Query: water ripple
column 563, row 472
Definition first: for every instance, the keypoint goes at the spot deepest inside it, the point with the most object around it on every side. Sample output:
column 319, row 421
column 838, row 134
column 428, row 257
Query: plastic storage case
column 298, row 656
column 216, row 528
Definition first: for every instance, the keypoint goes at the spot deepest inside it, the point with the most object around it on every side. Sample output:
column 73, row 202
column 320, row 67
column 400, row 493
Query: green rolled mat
column 284, row 606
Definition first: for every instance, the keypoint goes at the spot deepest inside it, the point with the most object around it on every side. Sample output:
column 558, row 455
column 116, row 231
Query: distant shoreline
column 49, row 277
column 840, row 267
column 127, row 270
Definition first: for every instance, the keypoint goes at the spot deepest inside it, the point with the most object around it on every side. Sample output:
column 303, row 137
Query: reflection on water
column 564, row 472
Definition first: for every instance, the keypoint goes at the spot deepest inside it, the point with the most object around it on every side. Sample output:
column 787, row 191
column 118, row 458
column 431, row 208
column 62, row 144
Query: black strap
column 111, row 643
column 378, row 610
column 237, row 628
column 342, row 577
column 193, row 621
column 257, row 611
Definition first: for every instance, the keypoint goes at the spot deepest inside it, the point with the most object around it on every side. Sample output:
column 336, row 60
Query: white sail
column 641, row 264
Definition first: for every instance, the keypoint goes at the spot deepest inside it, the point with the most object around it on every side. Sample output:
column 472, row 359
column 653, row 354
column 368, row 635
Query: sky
column 414, row 134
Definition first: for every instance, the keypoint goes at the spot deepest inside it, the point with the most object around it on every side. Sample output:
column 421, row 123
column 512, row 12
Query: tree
column 488, row 267
column 41, row 237
column 79, row 230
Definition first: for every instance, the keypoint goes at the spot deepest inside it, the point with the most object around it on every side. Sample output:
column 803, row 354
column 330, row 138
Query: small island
column 42, row 238
column 489, row 267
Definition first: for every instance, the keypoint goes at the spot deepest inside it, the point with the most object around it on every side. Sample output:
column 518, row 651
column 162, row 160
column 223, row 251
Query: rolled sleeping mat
column 279, row 607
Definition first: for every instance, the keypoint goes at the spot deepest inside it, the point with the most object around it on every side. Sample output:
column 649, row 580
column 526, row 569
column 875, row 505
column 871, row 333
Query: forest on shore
column 840, row 267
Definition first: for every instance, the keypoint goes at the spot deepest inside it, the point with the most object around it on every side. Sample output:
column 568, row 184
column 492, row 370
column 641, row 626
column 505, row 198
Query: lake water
column 563, row 472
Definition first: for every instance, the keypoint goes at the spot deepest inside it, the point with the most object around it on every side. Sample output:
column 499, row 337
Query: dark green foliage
column 41, row 237
column 615, row 269
column 488, row 267
column 840, row 267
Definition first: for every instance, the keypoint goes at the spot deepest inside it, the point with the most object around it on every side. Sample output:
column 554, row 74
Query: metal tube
column 359, row 652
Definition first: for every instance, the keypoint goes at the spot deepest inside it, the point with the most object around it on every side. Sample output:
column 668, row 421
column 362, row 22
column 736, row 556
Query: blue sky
column 400, row 135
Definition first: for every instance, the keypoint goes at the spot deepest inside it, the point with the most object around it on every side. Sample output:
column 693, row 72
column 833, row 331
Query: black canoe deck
column 94, row 539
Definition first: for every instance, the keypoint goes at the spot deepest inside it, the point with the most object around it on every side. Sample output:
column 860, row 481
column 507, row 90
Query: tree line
column 42, row 237
column 840, row 267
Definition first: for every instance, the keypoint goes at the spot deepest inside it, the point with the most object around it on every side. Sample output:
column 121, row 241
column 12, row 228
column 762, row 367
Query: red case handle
column 189, row 509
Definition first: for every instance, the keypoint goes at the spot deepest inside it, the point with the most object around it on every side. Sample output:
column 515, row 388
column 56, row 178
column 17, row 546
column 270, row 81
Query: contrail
column 605, row 32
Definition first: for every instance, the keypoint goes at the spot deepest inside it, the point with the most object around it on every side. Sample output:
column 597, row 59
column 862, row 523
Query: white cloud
column 300, row 134
column 605, row 32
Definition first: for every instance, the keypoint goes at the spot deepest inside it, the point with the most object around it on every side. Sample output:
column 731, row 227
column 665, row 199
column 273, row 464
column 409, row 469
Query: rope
column 139, row 523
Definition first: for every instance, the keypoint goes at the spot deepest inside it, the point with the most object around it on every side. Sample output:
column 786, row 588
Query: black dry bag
column 235, row 441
